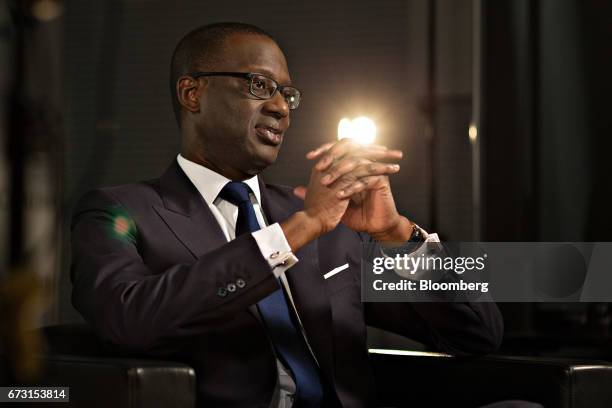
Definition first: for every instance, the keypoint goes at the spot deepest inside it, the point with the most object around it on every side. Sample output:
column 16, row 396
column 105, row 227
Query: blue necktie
column 286, row 337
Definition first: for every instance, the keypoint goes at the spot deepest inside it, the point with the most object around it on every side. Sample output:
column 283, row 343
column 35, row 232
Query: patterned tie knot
column 236, row 192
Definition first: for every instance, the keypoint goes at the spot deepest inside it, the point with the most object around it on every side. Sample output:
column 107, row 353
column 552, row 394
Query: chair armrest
column 437, row 379
column 100, row 377
column 119, row 382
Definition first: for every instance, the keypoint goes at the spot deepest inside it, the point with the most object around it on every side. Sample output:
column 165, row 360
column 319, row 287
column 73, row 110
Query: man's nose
column 277, row 106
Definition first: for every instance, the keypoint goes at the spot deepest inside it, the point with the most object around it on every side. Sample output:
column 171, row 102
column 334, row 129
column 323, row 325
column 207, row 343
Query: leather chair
column 97, row 377
column 77, row 359
column 425, row 379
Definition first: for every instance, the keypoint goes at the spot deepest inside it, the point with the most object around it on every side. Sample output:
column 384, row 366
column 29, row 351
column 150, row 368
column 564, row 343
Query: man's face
column 238, row 134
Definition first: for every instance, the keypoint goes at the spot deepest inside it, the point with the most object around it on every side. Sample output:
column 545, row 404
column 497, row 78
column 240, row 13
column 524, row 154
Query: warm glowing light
column 473, row 133
column 361, row 130
column 345, row 126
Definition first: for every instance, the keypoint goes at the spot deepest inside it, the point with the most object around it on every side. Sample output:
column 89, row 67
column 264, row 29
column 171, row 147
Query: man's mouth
column 269, row 134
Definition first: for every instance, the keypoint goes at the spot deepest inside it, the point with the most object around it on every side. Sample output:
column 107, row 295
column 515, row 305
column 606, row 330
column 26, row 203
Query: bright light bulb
column 362, row 130
column 345, row 128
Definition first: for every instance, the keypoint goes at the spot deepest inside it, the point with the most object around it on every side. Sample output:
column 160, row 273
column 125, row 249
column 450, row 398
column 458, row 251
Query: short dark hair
column 201, row 49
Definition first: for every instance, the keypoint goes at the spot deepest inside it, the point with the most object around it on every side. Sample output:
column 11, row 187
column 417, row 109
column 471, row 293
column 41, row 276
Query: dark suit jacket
column 148, row 260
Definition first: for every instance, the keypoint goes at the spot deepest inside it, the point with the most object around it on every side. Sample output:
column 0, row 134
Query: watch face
column 417, row 235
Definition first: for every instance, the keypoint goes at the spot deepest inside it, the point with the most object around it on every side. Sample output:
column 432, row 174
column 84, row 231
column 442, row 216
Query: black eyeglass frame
column 249, row 76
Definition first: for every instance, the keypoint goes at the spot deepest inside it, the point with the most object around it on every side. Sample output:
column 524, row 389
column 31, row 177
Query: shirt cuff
column 432, row 238
column 275, row 248
column 420, row 250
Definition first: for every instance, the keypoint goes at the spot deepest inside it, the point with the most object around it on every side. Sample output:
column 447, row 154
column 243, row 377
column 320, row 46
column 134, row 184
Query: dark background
column 531, row 75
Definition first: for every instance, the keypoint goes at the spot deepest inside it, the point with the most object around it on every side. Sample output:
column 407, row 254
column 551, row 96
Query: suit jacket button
column 231, row 287
column 241, row 283
column 222, row 292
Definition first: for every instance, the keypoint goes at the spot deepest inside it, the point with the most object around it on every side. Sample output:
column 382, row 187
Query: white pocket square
column 335, row 271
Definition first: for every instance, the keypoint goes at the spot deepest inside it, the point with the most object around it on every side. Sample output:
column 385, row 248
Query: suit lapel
column 307, row 286
column 186, row 213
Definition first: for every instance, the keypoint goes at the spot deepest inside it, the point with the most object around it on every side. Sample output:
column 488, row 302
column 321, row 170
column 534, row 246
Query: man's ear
column 188, row 91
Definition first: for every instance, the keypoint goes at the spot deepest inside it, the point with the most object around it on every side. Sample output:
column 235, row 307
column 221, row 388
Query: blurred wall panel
column 565, row 132
column 546, row 127
column 509, row 120
column 454, row 111
column 4, row 75
column 31, row 88
column 45, row 133
column 596, row 21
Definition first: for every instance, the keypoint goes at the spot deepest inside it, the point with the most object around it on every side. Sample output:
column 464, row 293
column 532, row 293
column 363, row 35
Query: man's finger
column 348, row 164
column 360, row 185
column 367, row 152
column 335, row 152
column 364, row 169
column 313, row 154
column 340, row 169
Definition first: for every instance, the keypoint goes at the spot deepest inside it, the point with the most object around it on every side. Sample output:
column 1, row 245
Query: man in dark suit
column 210, row 265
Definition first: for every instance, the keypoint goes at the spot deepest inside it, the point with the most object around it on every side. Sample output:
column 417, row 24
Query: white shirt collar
column 210, row 183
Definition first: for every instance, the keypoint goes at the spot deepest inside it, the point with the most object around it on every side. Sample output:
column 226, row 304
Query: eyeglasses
column 260, row 86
